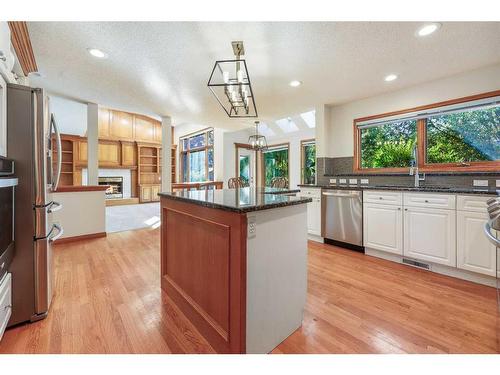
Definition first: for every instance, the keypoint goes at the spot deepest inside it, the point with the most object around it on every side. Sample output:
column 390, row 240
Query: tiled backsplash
column 342, row 168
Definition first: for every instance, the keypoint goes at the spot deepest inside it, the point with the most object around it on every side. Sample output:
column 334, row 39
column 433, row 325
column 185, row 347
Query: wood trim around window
column 262, row 175
column 483, row 166
column 205, row 148
column 302, row 143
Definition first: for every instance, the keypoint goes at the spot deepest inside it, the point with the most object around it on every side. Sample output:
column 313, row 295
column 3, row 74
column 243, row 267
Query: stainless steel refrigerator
column 31, row 136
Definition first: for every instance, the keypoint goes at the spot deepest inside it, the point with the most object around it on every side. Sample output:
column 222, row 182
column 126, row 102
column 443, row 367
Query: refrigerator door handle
column 60, row 232
column 54, row 206
column 55, row 182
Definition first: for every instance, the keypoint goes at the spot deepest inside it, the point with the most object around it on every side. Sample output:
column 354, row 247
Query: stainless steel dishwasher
column 342, row 218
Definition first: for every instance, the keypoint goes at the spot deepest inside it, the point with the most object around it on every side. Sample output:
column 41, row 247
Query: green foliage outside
column 245, row 168
column 388, row 146
column 463, row 137
column 309, row 167
column 453, row 138
column 275, row 165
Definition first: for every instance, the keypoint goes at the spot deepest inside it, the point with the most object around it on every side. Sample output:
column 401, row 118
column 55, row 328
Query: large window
column 459, row 135
column 308, row 161
column 197, row 156
column 275, row 162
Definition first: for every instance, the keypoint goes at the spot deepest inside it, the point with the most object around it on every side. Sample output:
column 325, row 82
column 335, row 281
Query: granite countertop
column 424, row 189
column 239, row 200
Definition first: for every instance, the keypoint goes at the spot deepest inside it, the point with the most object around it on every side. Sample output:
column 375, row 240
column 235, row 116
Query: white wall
column 293, row 157
column 182, row 130
column 82, row 212
column 338, row 131
column 71, row 116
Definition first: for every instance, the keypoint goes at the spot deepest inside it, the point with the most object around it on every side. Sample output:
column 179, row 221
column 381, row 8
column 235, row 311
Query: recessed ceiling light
column 390, row 77
column 97, row 53
column 428, row 29
column 295, row 83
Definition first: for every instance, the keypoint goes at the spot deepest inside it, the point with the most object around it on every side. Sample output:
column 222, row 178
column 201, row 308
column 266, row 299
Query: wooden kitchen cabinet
column 144, row 129
column 121, row 125
column 146, row 193
column 474, row 252
column 109, row 154
column 129, row 154
column 430, row 235
column 149, row 193
column 155, row 189
column 383, row 227
column 103, row 117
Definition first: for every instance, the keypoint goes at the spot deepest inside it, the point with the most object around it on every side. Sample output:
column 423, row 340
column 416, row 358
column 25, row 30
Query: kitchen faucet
column 414, row 167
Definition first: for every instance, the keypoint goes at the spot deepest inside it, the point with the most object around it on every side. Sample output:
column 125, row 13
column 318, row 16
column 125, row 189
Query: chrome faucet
column 414, row 167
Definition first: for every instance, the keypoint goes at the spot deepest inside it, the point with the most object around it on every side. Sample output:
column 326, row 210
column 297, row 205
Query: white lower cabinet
column 474, row 252
column 383, row 227
column 314, row 217
column 430, row 235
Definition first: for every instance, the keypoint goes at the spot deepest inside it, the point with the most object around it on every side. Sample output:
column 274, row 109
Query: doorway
column 245, row 164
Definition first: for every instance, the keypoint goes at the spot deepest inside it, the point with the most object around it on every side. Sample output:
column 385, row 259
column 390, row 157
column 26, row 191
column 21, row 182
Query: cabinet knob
column 406, row 209
column 399, row 208
column 426, row 201
column 380, row 198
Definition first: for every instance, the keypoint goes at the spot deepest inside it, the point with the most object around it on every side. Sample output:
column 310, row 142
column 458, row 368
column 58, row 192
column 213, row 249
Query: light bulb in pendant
column 225, row 77
column 239, row 75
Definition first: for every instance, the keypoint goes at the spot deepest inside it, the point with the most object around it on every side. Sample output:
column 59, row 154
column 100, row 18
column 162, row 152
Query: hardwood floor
column 108, row 300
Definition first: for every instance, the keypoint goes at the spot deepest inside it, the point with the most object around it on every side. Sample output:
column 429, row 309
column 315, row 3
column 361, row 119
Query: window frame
column 271, row 148
column 477, row 166
column 205, row 148
column 303, row 143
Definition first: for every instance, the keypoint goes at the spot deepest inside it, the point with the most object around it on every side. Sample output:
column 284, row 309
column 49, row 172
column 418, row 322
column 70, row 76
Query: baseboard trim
column 437, row 268
column 122, row 202
column 80, row 238
column 315, row 238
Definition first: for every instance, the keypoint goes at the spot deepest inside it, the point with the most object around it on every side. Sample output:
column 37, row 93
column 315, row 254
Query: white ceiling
column 162, row 68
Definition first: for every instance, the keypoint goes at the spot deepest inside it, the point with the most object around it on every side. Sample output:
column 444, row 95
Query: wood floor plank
column 108, row 300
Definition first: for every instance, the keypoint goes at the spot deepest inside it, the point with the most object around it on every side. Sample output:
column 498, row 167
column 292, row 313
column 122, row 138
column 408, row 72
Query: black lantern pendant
column 230, row 84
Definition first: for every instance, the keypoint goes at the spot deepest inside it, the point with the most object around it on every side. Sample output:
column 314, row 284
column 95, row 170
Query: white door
column 383, row 228
column 314, row 216
column 474, row 252
column 246, row 165
column 429, row 235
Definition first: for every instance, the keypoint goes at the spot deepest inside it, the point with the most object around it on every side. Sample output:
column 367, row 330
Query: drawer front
column 384, row 197
column 310, row 192
column 5, row 303
column 430, row 200
column 471, row 203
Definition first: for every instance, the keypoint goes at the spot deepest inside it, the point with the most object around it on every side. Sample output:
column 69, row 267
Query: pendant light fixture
column 256, row 141
column 230, row 84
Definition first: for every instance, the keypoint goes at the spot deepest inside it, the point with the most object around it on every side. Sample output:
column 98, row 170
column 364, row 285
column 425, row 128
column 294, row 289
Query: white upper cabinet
column 383, row 227
column 430, row 235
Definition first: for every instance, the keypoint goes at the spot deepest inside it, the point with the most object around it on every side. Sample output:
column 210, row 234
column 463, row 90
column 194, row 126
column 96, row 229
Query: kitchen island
column 235, row 263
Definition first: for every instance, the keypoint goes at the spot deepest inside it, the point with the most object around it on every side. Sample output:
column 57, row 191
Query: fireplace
column 115, row 190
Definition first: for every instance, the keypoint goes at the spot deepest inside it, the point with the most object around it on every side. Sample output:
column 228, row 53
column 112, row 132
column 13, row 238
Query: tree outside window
column 308, row 161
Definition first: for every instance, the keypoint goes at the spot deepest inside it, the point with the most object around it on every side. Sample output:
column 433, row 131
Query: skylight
column 265, row 130
column 309, row 118
column 287, row 125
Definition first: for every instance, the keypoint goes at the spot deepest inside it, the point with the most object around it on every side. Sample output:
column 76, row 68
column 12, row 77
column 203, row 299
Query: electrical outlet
column 365, row 181
column 252, row 227
column 343, row 181
column 333, row 180
column 353, row 181
column 480, row 183
column 498, row 183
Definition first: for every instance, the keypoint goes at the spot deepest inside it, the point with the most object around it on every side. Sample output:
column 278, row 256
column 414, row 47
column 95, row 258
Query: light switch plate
column 252, row 227
column 353, row 181
column 365, row 181
column 333, row 180
column 480, row 183
column 343, row 181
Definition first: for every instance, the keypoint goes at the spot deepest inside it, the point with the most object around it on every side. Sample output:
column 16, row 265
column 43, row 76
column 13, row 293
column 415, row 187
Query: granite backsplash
column 342, row 168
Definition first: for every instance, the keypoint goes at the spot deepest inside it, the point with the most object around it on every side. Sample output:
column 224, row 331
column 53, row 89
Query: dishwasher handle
column 341, row 195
